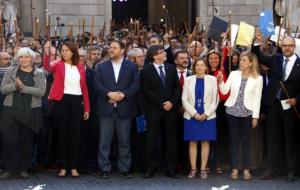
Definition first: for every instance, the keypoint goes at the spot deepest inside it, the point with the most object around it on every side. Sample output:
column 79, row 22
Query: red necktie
column 181, row 80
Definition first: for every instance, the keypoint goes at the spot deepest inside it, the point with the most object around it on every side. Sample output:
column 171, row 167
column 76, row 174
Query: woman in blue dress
column 200, row 100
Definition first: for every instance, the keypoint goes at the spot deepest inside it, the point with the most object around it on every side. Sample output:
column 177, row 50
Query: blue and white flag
column 266, row 23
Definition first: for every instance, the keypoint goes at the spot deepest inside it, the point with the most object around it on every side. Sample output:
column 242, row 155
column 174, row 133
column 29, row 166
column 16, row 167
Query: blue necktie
column 284, row 68
column 162, row 75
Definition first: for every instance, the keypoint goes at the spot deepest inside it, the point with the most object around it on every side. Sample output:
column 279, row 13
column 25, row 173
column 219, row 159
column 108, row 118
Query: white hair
column 133, row 52
column 24, row 51
column 82, row 52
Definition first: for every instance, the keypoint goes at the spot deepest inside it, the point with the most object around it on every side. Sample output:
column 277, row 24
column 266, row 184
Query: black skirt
column 8, row 115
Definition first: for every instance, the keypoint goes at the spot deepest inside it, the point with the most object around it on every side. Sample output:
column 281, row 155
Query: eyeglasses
column 6, row 58
column 160, row 52
column 288, row 45
column 140, row 56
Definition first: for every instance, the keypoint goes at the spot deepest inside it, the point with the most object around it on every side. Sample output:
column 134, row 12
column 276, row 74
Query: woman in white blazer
column 200, row 101
column 242, row 108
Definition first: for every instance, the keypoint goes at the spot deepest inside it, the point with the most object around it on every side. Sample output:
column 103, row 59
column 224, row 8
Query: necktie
column 162, row 75
column 279, row 94
column 181, row 79
column 284, row 69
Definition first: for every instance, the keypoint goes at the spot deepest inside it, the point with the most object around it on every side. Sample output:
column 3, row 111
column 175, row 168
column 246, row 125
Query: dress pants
column 239, row 129
column 68, row 116
column 106, row 134
column 167, row 122
column 281, row 126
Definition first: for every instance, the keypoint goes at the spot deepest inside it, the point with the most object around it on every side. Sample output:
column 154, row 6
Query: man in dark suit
column 182, row 61
column 160, row 86
column 116, row 83
column 284, row 68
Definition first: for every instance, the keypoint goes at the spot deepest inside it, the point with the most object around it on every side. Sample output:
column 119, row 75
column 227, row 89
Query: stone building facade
column 74, row 10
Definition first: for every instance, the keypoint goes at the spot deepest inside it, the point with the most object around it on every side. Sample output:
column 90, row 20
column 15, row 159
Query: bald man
column 281, row 119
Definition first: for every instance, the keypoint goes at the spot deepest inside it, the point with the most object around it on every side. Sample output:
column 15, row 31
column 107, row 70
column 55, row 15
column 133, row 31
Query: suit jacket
column 210, row 96
column 252, row 93
column 275, row 63
column 128, row 83
column 156, row 93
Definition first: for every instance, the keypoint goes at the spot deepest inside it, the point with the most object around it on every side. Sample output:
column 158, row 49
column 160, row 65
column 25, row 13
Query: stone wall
column 71, row 11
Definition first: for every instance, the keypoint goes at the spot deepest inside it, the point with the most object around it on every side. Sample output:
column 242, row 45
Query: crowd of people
column 143, row 103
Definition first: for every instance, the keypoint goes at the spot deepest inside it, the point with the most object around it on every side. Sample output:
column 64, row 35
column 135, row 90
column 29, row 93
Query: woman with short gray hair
column 21, row 119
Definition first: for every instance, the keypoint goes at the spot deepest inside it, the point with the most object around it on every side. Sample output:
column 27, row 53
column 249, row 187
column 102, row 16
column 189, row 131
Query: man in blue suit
column 116, row 83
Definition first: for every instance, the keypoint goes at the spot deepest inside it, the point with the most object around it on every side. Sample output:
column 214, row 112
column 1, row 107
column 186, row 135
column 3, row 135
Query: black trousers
column 17, row 147
column 219, row 154
column 167, row 122
column 280, row 127
column 137, row 143
column 68, row 115
column 239, row 129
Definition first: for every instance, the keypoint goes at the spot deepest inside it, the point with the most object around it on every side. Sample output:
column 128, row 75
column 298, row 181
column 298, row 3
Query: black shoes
column 290, row 177
column 104, row 175
column 172, row 174
column 127, row 175
column 24, row 175
column 5, row 175
column 267, row 175
column 148, row 174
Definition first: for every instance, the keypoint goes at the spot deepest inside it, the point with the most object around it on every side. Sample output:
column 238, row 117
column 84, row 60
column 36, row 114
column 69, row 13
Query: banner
column 245, row 34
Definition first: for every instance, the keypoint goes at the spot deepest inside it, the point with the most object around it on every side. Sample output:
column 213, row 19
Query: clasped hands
column 115, row 97
column 200, row 117
column 19, row 84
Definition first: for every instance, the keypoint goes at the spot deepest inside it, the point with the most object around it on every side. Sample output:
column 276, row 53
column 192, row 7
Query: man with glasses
column 281, row 119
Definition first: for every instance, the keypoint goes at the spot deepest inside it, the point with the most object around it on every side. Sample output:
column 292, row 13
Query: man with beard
column 116, row 98
column 182, row 61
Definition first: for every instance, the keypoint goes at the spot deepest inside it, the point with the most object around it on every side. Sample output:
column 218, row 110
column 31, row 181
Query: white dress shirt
column 289, row 65
column 117, row 68
column 184, row 73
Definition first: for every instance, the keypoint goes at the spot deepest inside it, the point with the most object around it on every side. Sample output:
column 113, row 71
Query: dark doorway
column 123, row 10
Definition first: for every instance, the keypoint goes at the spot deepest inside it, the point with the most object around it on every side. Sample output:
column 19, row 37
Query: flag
column 275, row 36
column 245, row 34
column 234, row 30
column 217, row 27
column 297, row 50
column 266, row 23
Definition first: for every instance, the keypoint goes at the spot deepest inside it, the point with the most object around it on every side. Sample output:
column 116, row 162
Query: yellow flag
column 245, row 35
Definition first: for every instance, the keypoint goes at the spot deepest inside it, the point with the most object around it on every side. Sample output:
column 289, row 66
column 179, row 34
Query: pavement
column 49, row 181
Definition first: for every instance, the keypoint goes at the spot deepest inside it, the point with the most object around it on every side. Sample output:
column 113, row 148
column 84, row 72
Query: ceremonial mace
column 288, row 96
column 281, row 12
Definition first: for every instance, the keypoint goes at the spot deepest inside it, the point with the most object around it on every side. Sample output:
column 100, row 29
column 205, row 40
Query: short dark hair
column 157, row 37
column 121, row 44
column 152, row 51
column 179, row 52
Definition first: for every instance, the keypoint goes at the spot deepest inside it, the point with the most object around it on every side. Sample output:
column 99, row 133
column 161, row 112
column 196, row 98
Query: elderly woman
column 24, row 85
